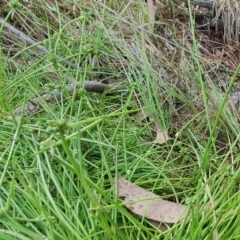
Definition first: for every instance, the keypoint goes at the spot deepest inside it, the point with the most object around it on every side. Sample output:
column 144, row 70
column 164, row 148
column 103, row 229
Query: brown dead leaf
column 148, row 204
column 234, row 101
column 142, row 116
column 152, row 49
column 151, row 11
column 162, row 135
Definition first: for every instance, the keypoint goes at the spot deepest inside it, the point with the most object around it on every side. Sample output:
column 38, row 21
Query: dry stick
column 202, row 3
column 211, row 23
column 33, row 106
column 31, row 42
column 41, row 48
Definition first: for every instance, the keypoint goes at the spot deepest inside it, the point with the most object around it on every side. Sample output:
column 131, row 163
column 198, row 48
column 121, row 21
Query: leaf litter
column 147, row 204
column 162, row 135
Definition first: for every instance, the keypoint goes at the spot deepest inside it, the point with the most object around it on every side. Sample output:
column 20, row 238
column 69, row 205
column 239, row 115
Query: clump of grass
column 229, row 11
column 58, row 167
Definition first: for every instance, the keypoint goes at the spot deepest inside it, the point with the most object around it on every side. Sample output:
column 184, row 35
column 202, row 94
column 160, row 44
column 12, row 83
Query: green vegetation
column 58, row 166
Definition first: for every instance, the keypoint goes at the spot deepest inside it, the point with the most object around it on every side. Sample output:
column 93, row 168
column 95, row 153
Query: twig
column 211, row 23
column 35, row 105
column 200, row 46
column 31, row 42
column 202, row 3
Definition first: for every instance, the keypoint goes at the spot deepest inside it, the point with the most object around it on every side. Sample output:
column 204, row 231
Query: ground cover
column 170, row 127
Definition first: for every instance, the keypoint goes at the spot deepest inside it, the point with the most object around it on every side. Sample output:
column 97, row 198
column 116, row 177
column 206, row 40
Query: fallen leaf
column 234, row 101
column 152, row 49
column 148, row 204
column 162, row 135
column 142, row 116
column 151, row 11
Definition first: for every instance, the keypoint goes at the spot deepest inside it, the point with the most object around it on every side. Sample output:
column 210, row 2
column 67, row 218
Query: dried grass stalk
column 229, row 11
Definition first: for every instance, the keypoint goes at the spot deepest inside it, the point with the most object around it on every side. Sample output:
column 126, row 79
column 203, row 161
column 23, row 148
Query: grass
column 58, row 167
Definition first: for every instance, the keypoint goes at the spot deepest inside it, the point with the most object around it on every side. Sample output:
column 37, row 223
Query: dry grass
column 229, row 11
column 40, row 20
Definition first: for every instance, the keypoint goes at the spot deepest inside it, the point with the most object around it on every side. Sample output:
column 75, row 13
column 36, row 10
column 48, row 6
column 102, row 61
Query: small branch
column 200, row 46
column 211, row 23
column 35, row 105
column 31, row 42
column 202, row 3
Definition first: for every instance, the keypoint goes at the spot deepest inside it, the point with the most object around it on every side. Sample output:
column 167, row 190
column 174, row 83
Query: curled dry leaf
column 162, row 135
column 142, row 116
column 234, row 101
column 151, row 11
column 148, row 204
